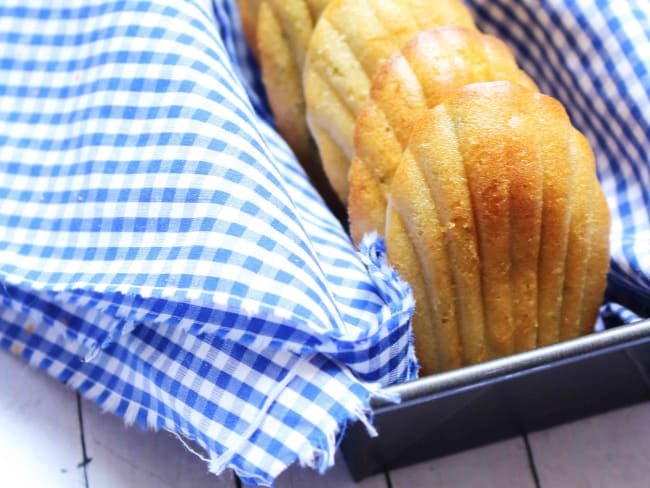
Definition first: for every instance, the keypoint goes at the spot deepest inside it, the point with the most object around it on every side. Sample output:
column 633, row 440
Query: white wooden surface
column 39, row 429
column 42, row 425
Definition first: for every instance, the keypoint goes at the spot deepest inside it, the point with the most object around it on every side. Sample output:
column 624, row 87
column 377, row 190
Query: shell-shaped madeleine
column 351, row 40
column 430, row 67
column 284, row 28
column 248, row 10
column 497, row 198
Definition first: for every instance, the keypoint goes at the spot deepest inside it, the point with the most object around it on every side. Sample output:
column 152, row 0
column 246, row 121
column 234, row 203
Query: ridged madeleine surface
column 497, row 199
column 351, row 39
column 431, row 66
column 284, row 28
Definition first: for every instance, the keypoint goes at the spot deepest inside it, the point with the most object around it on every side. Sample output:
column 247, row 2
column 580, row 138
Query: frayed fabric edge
column 320, row 454
column 317, row 453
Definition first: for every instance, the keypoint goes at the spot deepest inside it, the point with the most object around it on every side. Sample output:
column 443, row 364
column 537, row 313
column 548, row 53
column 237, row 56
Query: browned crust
column 412, row 201
column 430, row 67
column 350, row 41
column 508, row 228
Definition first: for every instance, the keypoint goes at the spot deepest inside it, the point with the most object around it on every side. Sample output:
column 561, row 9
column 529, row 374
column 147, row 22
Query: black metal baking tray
column 480, row 404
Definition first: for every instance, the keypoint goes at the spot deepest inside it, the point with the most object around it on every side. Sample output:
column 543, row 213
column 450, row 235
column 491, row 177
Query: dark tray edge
column 574, row 349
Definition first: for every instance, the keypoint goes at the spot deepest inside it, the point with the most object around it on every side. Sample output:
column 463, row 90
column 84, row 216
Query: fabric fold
column 163, row 253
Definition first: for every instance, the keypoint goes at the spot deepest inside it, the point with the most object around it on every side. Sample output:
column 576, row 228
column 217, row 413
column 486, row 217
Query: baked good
column 351, row 39
column 248, row 15
column 496, row 211
column 278, row 32
column 284, row 28
column 429, row 68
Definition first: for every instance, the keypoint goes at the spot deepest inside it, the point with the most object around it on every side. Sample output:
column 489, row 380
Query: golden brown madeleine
column 284, row 28
column 430, row 66
column 430, row 200
column 248, row 15
column 583, row 289
column 498, row 218
column 425, row 337
column 596, row 280
column 351, row 39
column 577, row 238
column 555, row 229
column 581, row 226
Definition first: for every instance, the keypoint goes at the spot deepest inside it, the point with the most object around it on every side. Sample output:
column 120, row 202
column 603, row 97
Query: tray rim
column 516, row 364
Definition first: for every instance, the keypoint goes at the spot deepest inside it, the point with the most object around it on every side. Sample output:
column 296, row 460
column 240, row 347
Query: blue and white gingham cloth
column 162, row 252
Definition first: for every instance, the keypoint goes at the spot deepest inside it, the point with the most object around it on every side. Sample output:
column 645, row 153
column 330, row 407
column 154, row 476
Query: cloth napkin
column 163, row 253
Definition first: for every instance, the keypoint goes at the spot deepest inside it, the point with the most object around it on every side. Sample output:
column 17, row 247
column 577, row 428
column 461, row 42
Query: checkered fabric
column 162, row 252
